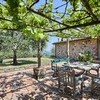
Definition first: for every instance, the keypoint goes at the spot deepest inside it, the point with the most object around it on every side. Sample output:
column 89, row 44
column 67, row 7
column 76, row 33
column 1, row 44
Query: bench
column 55, row 63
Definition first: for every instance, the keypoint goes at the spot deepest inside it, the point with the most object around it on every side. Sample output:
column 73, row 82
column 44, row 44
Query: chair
column 68, row 81
column 41, row 73
column 61, row 79
column 95, row 82
column 73, row 83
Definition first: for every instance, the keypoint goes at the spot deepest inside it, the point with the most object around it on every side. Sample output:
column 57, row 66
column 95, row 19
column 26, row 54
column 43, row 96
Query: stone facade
column 61, row 50
column 76, row 47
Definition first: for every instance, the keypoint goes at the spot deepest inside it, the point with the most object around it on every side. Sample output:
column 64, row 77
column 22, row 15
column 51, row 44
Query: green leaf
column 13, row 3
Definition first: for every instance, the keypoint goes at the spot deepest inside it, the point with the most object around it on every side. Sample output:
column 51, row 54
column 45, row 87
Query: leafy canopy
column 50, row 16
column 14, row 16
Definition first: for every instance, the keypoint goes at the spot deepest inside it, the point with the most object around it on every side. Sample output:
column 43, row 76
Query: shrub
column 52, row 56
column 86, row 57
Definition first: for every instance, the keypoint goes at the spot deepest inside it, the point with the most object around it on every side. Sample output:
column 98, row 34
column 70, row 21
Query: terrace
column 25, row 26
column 21, row 85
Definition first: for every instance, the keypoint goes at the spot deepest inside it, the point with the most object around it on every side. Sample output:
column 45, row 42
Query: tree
column 41, row 40
column 13, row 41
column 17, row 18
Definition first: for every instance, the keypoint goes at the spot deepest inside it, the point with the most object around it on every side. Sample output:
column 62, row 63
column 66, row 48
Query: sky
column 1, row 1
column 50, row 43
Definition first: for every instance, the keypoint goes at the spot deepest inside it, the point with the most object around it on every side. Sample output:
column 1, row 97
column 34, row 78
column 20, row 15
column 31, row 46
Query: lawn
column 23, row 63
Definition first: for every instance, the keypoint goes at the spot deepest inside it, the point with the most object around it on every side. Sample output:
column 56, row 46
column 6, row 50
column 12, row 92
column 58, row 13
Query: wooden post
column 68, row 49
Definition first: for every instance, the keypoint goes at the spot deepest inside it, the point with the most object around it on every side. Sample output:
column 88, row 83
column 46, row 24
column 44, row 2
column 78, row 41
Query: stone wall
column 61, row 50
column 76, row 47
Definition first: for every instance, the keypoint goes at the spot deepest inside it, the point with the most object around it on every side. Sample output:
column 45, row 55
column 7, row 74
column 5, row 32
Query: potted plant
column 86, row 57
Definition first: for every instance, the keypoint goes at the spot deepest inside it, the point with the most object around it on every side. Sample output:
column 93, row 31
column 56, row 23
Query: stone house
column 76, row 46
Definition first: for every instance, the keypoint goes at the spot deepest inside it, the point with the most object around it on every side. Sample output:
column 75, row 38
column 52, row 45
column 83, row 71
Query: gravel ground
column 19, row 85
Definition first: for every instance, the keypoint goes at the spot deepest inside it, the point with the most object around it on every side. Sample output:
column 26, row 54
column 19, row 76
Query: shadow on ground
column 20, row 62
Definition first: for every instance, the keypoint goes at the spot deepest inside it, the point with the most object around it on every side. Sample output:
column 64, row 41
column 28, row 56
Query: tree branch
column 60, row 6
column 9, row 29
column 84, row 18
column 65, row 10
column 33, row 4
column 75, row 26
column 89, row 9
column 43, row 15
column 2, row 18
column 44, row 5
column 3, row 5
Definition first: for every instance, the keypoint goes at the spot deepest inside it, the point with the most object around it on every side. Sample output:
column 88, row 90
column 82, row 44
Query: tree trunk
column 36, row 70
column 39, row 54
column 14, row 57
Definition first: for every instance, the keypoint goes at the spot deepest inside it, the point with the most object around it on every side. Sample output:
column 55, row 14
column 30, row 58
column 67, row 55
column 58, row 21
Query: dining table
column 84, row 65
